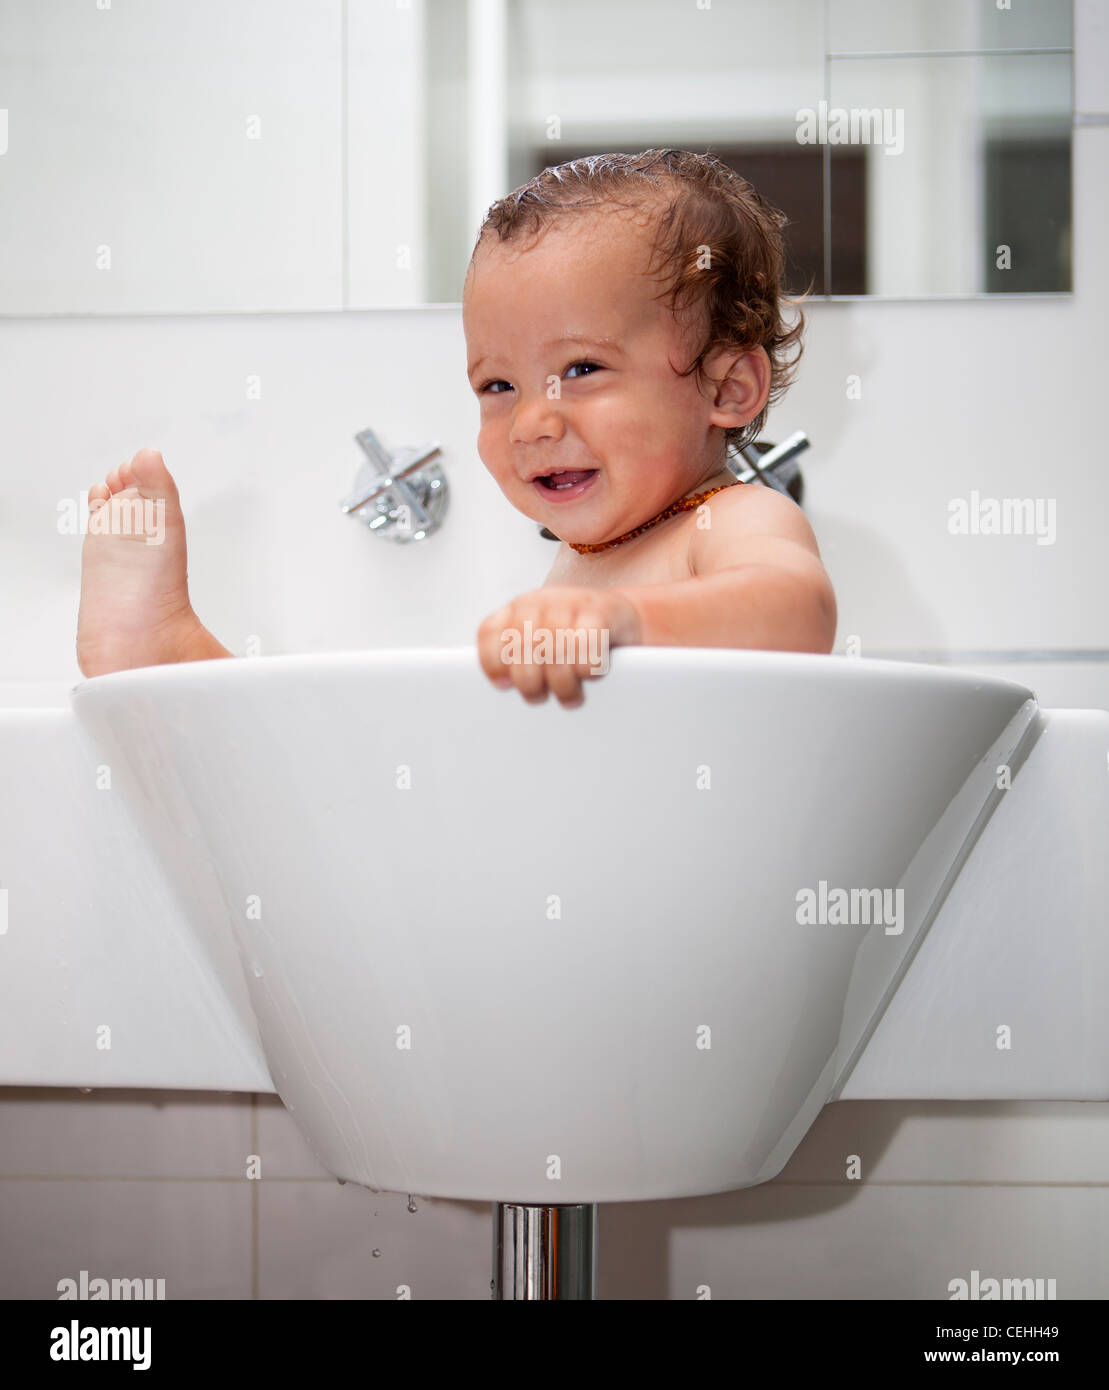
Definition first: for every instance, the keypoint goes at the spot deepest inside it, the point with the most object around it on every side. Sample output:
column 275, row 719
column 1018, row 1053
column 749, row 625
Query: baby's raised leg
column 135, row 608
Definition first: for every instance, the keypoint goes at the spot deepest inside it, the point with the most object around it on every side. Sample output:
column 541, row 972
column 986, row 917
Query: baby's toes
column 113, row 481
column 99, row 493
column 149, row 472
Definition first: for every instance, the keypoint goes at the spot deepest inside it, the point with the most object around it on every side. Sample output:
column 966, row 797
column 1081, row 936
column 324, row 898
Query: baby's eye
column 489, row 385
column 591, row 366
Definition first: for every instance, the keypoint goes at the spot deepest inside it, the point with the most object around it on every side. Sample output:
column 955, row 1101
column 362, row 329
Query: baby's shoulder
column 746, row 523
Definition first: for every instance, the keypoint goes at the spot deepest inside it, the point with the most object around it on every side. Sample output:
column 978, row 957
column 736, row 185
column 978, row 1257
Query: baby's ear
column 738, row 384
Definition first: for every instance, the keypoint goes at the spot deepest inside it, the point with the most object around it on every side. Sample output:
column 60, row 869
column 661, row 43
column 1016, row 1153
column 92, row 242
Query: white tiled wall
column 144, row 1184
column 1005, row 397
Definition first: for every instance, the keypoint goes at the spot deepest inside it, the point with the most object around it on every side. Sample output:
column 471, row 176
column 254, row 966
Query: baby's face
column 576, row 364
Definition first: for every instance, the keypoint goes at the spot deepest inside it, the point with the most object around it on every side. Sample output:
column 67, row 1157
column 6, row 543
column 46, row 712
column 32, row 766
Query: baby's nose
column 535, row 418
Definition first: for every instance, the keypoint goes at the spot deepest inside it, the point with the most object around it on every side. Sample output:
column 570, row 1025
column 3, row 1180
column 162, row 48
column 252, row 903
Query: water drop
column 341, row 1181
column 375, row 1253
column 85, row 1090
column 257, row 970
column 411, row 1204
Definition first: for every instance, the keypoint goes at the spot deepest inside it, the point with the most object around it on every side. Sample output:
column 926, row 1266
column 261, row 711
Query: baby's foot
column 135, row 608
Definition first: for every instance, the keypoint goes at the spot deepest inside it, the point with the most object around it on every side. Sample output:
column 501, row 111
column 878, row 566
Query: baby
column 623, row 324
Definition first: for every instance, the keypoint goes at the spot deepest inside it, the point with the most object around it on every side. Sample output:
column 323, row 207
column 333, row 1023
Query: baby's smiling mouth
column 565, row 480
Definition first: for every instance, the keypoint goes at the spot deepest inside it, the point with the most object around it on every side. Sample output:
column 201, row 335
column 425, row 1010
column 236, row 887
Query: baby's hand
column 553, row 639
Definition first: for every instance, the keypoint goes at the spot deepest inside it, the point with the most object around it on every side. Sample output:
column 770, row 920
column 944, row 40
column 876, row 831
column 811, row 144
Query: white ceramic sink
column 488, row 950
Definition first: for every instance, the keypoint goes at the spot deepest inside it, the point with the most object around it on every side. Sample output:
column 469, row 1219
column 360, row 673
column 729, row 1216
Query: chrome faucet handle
column 424, row 454
column 402, row 496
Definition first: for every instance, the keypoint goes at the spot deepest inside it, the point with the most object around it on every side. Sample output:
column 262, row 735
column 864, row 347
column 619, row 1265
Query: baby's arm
column 135, row 608
column 756, row 580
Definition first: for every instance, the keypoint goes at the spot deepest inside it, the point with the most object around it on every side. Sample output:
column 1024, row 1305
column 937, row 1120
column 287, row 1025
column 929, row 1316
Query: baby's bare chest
column 661, row 559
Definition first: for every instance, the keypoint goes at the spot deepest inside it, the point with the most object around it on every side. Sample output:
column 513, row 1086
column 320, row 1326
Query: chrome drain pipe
column 544, row 1252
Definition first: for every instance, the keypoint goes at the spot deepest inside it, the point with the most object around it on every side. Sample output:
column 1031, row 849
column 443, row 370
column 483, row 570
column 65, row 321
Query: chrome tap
column 402, row 496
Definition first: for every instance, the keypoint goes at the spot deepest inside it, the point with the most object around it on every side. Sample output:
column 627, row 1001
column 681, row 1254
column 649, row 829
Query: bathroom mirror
column 224, row 156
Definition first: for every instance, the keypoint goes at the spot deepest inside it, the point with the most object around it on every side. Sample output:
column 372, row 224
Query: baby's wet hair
column 718, row 244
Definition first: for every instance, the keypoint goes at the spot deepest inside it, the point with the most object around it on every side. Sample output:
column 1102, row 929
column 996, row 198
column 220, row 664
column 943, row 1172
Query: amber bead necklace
column 683, row 504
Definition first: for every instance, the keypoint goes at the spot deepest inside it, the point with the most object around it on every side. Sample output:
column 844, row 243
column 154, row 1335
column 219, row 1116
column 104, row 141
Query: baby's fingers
column 503, row 658
column 530, row 679
column 565, row 682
